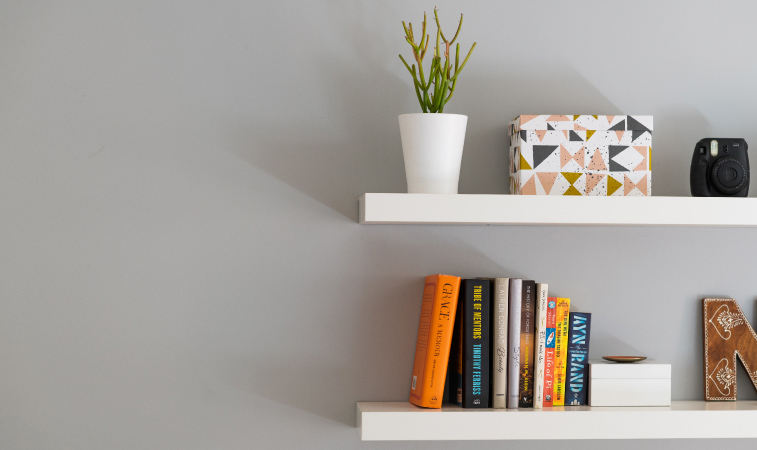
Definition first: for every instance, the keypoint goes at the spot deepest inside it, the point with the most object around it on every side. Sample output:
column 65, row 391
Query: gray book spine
column 499, row 343
column 513, row 358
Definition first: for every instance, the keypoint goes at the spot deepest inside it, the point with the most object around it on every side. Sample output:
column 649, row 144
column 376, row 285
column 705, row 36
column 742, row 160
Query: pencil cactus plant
column 437, row 89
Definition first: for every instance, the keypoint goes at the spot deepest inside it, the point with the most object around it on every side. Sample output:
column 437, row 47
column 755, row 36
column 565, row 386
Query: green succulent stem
column 435, row 91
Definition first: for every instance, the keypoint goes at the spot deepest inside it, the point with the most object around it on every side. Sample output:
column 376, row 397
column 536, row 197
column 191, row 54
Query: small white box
column 637, row 384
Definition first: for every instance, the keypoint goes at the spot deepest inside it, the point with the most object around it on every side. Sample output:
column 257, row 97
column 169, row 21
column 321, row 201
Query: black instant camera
column 720, row 168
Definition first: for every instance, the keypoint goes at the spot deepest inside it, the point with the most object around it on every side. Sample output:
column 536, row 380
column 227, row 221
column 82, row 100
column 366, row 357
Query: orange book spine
column 440, row 294
column 561, row 349
column 549, row 359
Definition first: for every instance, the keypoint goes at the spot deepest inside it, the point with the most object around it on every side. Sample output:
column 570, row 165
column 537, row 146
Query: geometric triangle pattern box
column 581, row 155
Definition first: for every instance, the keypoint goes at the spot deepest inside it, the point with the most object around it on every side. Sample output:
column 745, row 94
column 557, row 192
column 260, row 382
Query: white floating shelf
column 402, row 421
column 469, row 209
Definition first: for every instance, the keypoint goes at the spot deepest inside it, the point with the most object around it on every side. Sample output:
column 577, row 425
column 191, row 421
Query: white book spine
column 513, row 358
column 541, row 343
column 499, row 340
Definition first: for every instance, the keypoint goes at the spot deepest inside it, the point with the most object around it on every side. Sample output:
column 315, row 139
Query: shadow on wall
column 677, row 129
column 541, row 88
column 341, row 138
column 610, row 345
column 370, row 338
column 352, row 145
column 524, row 87
column 344, row 139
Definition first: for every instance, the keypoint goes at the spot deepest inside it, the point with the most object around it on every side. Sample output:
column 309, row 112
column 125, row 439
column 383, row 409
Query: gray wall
column 180, row 263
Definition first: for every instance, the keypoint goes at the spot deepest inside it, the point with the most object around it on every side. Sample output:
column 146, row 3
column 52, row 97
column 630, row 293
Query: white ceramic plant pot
column 433, row 148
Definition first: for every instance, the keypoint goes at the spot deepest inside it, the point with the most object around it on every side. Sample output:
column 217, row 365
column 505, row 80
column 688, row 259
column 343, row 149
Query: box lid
column 642, row 369
column 582, row 122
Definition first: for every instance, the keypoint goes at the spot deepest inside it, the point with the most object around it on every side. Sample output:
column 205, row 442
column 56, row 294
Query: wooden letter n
column 727, row 334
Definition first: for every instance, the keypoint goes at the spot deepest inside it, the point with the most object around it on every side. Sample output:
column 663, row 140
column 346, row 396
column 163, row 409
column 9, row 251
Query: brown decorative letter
column 727, row 334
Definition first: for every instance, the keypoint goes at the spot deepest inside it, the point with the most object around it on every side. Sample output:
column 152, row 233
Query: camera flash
column 714, row 147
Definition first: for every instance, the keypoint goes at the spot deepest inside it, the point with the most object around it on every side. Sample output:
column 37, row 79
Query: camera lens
column 729, row 175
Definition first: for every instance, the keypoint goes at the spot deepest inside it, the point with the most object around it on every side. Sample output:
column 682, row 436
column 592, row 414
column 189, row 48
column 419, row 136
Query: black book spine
column 490, row 300
column 476, row 311
column 577, row 377
column 527, row 326
column 455, row 380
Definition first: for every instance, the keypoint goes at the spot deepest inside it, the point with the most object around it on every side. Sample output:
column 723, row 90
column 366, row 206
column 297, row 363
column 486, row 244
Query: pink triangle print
column 529, row 188
column 566, row 157
column 628, row 185
column 620, row 135
column 541, row 134
column 597, row 162
column 547, row 180
column 643, row 151
column 592, row 180
column 580, row 157
column 642, row 185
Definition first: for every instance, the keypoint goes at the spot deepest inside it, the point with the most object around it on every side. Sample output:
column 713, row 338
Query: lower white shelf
column 402, row 421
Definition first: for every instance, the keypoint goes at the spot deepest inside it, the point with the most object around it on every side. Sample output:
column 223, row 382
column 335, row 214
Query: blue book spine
column 576, row 388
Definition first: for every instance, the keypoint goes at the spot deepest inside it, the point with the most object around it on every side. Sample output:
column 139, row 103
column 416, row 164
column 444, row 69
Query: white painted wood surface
column 630, row 392
column 641, row 369
column 644, row 383
column 392, row 421
column 472, row 209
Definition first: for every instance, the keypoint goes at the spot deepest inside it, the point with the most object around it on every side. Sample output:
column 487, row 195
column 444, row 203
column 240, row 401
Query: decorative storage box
column 581, row 155
column 637, row 384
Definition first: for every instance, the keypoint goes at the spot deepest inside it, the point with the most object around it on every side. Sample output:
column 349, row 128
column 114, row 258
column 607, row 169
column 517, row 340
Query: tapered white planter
column 433, row 148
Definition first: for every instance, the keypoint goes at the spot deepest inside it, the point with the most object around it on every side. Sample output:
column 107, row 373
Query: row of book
column 507, row 344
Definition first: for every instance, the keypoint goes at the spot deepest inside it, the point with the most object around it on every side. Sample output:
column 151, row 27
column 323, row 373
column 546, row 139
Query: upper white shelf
column 402, row 421
column 475, row 209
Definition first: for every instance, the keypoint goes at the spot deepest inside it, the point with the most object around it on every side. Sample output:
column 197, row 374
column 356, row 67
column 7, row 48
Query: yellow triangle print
column 612, row 185
column 571, row 177
column 649, row 158
column 590, row 133
column 595, row 117
column 524, row 164
column 572, row 191
column 575, row 117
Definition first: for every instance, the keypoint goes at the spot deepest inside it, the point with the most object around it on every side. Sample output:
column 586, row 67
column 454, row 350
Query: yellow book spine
column 562, row 311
